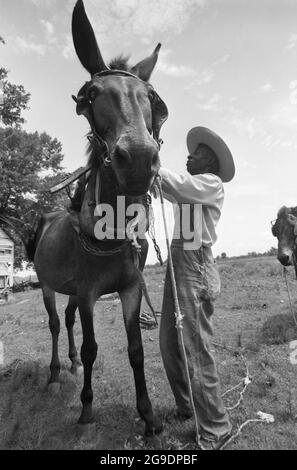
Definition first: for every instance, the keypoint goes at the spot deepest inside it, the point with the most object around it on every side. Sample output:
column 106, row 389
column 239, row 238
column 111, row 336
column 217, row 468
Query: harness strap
column 70, row 179
column 95, row 250
column 136, row 255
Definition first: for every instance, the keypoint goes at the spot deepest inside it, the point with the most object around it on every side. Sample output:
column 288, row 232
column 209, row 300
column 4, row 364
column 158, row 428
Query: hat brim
column 202, row 135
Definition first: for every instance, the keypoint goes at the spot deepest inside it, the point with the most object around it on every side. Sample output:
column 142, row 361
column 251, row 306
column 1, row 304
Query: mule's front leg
column 88, row 356
column 70, row 320
column 131, row 301
column 54, row 325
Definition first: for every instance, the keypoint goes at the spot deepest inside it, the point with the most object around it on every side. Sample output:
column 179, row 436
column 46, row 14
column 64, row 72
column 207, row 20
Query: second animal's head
column 284, row 228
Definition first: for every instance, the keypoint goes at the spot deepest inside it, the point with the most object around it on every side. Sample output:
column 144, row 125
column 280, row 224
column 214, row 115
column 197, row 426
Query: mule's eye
column 92, row 94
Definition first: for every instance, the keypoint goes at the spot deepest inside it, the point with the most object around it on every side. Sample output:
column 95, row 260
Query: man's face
column 198, row 162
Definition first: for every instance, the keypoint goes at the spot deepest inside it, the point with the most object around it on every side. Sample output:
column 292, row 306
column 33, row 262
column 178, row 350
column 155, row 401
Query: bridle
column 156, row 103
column 159, row 116
column 275, row 233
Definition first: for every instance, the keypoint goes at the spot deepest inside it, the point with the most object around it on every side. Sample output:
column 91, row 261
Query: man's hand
column 154, row 191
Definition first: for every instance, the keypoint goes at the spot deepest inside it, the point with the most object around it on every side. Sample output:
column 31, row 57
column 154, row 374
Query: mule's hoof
column 154, row 441
column 54, row 388
column 87, row 431
column 77, row 370
column 153, row 430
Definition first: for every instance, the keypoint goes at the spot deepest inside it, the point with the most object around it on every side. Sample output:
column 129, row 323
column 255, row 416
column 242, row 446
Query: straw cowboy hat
column 202, row 135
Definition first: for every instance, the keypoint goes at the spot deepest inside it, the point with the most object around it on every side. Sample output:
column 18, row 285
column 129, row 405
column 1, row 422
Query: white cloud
column 211, row 103
column 25, row 46
column 141, row 17
column 173, row 70
column 222, row 60
column 267, row 88
column 49, row 31
column 124, row 20
column 49, row 27
column 42, row 3
column 292, row 40
column 68, row 48
column 205, row 76
column 293, row 93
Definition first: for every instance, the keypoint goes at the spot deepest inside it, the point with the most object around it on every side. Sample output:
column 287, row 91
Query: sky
column 230, row 65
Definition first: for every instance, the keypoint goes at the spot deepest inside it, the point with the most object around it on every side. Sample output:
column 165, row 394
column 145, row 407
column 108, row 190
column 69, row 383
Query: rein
column 289, row 296
column 178, row 314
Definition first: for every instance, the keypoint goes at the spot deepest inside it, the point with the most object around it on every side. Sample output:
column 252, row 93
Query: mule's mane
column 120, row 63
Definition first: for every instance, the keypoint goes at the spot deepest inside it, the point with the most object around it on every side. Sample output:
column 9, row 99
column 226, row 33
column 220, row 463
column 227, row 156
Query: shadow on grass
column 278, row 329
column 31, row 417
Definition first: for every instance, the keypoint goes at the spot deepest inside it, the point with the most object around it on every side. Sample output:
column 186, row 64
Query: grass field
column 252, row 316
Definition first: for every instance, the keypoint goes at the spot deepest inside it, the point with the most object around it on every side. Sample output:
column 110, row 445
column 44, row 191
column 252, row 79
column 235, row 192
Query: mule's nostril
column 122, row 156
column 284, row 259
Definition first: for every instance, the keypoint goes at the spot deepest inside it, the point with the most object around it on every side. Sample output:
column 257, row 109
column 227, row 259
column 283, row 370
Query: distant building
column 6, row 260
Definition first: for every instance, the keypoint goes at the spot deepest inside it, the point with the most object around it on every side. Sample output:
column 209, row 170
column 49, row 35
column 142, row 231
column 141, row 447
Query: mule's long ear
column 85, row 41
column 144, row 68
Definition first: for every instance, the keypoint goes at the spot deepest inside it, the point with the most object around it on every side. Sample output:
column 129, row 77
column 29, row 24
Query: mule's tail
column 27, row 235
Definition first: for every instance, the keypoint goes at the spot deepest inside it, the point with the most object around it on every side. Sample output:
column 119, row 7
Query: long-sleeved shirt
column 198, row 203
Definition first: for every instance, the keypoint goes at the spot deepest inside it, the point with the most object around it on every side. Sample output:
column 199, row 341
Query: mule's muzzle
column 135, row 167
column 122, row 157
column 145, row 157
column 136, row 188
column 285, row 259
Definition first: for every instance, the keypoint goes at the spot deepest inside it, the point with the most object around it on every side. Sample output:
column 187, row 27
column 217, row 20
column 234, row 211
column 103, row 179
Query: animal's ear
column 159, row 114
column 144, row 68
column 85, row 41
column 292, row 219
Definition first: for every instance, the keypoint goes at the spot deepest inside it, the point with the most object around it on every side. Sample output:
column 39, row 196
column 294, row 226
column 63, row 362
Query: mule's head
column 285, row 230
column 122, row 108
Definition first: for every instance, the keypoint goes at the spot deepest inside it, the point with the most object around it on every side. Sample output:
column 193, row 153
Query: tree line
column 30, row 163
column 251, row 254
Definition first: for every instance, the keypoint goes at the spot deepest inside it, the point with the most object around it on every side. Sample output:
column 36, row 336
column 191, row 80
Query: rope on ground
column 263, row 418
column 289, row 296
column 246, row 380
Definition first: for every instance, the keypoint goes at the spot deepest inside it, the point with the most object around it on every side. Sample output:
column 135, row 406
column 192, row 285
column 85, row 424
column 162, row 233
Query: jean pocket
column 213, row 281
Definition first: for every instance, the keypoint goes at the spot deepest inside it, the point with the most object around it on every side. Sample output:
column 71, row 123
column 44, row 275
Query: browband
column 115, row 72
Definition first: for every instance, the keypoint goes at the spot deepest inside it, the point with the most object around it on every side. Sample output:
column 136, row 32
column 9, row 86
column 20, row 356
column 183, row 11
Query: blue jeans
column 198, row 285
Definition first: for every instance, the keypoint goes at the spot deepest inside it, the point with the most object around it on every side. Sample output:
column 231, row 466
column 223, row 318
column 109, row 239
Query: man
column 201, row 195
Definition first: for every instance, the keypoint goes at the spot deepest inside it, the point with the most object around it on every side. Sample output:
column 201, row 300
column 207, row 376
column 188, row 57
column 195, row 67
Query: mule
column 125, row 115
column 284, row 228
